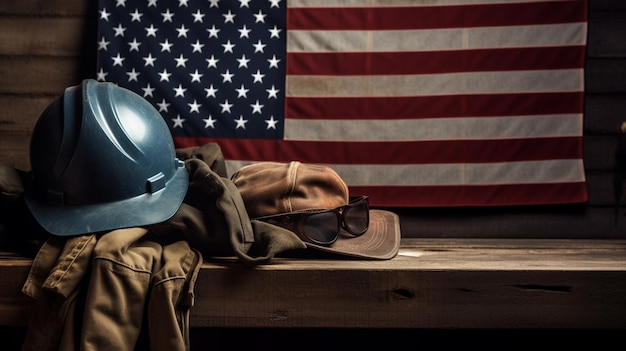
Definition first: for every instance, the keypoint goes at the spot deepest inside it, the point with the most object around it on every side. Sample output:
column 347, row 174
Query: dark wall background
column 47, row 45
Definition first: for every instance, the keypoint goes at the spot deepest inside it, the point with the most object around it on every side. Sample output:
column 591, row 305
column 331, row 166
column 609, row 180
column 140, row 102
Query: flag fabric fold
column 415, row 104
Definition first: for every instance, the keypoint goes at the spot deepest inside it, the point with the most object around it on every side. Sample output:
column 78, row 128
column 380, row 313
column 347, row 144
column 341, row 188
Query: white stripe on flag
column 436, row 84
column 434, row 129
column 391, row 3
column 552, row 171
column 440, row 39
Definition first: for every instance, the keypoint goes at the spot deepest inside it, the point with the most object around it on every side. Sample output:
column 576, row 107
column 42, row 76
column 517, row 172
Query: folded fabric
column 209, row 153
column 214, row 220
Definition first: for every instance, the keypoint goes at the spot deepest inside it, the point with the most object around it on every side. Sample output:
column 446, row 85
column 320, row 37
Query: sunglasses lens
column 356, row 218
column 322, row 227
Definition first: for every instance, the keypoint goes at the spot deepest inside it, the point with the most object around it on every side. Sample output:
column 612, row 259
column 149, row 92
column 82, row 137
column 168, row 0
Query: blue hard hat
column 103, row 158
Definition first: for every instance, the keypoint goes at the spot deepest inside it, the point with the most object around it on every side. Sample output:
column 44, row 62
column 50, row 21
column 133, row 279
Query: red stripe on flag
column 478, row 105
column 429, row 152
column 489, row 195
column 459, row 16
column 431, row 62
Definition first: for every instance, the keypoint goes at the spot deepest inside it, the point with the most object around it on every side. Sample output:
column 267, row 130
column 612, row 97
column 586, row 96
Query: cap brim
column 381, row 241
column 138, row 211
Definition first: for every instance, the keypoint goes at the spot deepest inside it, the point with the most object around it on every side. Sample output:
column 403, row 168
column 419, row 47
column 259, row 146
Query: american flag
column 414, row 103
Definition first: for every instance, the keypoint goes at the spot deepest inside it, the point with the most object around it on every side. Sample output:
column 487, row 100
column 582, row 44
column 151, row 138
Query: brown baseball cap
column 273, row 188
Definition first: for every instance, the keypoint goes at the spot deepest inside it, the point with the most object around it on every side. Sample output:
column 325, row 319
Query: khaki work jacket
column 133, row 288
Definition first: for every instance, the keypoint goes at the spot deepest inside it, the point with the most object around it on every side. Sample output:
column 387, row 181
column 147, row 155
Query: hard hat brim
column 145, row 209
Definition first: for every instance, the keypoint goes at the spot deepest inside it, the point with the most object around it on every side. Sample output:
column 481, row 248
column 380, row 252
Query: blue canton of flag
column 211, row 68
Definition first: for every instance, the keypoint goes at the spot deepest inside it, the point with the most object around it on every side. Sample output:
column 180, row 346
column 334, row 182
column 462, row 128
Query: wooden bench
column 433, row 283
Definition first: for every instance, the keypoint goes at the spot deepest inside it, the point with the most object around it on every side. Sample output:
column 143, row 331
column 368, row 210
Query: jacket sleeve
column 56, row 281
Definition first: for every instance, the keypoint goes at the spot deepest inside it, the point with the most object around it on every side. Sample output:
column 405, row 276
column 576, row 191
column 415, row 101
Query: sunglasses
column 322, row 227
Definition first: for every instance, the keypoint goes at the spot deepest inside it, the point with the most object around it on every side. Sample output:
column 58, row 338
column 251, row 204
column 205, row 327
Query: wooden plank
column 605, row 76
column 433, row 283
column 606, row 5
column 547, row 222
column 48, row 7
column 18, row 114
column 604, row 113
column 14, row 150
column 43, row 75
column 606, row 33
column 56, row 36
column 398, row 339
column 599, row 152
column 600, row 188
